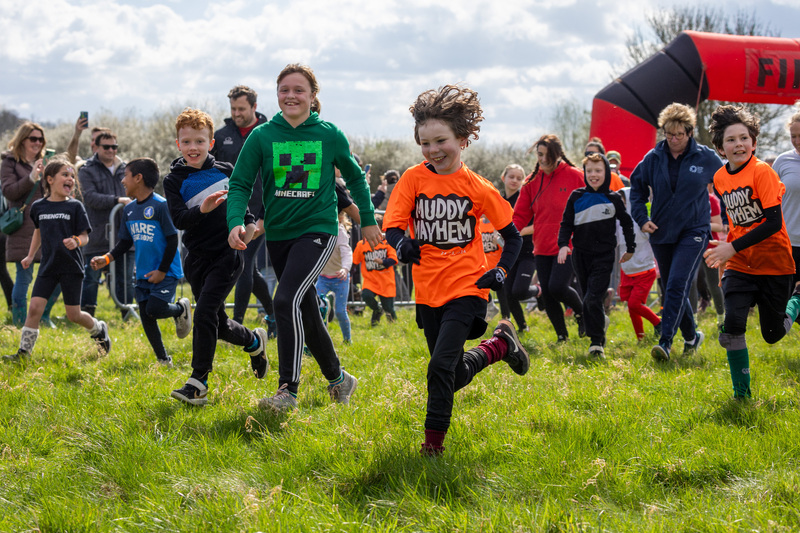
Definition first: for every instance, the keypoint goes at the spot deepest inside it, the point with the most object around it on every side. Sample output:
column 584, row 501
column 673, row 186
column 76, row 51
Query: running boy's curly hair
column 456, row 106
column 195, row 119
column 728, row 115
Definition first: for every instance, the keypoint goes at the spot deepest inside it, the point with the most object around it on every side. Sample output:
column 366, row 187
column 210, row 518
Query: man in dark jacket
column 101, row 185
column 228, row 142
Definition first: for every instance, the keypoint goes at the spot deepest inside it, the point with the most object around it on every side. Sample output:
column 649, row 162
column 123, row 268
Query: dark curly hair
column 728, row 115
column 455, row 105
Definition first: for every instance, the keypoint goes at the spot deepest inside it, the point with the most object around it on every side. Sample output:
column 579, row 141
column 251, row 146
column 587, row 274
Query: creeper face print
column 297, row 164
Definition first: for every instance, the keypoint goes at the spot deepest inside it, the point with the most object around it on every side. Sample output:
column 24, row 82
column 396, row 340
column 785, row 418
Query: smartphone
column 48, row 153
column 367, row 168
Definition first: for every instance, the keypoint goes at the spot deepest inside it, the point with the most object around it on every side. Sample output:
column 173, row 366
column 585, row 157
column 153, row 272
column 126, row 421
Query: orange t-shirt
column 746, row 194
column 377, row 278
column 491, row 247
column 443, row 212
column 615, row 183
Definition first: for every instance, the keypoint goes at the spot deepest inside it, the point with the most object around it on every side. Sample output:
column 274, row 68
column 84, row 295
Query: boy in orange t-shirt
column 757, row 257
column 442, row 201
column 377, row 273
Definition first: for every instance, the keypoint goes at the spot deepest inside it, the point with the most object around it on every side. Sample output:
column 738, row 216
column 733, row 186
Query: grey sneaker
column 183, row 322
column 282, row 401
column 102, row 339
column 166, row 362
column 258, row 360
column 194, row 392
column 21, row 355
column 597, row 352
column 341, row 393
column 516, row 356
column 691, row 347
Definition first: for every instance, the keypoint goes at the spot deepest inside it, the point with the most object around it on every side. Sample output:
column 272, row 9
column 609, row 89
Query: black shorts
column 769, row 293
column 71, row 287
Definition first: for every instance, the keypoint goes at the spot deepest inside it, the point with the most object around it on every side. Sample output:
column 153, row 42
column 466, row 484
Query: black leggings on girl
column 556, row 280
column 518, row 287
column 298, row 263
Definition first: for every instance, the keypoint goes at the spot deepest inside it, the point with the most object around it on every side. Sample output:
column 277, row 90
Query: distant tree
column 664, row 25
column 571, row 121
column 9, row 121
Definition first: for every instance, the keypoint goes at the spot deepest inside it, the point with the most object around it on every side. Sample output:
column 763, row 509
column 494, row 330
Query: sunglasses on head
column 36, row 139
column 109, row 146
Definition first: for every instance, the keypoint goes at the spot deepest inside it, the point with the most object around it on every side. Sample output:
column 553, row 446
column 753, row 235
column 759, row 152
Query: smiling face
column 440, row 147
column 794, row 132
column 295, row 97
column 194, row 145
column 737, row 145
column 242, row 113
column 131, row 183
column 61, row 184
column 33, row 145
column 545, row 165
column 595, row 172
column 512, row 179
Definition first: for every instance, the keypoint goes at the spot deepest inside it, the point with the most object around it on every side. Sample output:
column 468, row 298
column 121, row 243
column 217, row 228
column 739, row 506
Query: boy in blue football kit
column 146, row 222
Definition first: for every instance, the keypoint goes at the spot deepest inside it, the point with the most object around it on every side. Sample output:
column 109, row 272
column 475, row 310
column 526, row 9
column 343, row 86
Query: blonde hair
column 677, row 116
column 16, row 144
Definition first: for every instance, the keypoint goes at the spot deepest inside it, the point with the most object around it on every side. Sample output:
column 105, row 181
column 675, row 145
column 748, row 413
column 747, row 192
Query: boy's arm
column 182, row 216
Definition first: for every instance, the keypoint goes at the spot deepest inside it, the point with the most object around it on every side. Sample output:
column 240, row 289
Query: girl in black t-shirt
column 62, row 227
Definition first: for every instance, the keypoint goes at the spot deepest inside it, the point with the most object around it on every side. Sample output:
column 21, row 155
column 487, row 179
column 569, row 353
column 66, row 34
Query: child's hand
column 562, row 255
column 373, row 236
column 259, row 228
column 235, row 238
column 342, row 273
column 155, row 276
column 408, row 251
column 718, row 255
column 99, row 261
column 649, row 227
column 249, row 231
column 70, row 243
column 213, row 201
column 492, row 279
column 625, row 257
column 26, row 262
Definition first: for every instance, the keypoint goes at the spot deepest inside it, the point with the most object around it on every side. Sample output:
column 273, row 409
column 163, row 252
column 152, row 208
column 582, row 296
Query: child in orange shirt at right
column 441, row 201
column 377, row 273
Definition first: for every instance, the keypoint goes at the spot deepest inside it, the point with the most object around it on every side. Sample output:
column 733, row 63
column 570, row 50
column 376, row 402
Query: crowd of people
column 285, row 195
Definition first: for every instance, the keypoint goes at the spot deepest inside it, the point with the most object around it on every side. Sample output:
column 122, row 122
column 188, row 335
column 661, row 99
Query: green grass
column 91, row 443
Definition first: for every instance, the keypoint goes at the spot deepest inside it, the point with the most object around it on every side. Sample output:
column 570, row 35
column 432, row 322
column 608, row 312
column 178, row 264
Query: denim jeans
column 339, row 288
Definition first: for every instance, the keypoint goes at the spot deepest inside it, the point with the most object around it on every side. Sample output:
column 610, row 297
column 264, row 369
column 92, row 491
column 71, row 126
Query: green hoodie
column 297, row 170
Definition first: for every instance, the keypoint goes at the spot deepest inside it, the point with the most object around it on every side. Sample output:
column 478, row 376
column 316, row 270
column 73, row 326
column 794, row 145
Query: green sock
column 739, row 362
column 793, row 308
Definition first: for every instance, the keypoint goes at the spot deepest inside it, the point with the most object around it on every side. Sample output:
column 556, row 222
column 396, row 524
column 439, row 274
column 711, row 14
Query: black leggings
column 556, row 280
column 298, row 263
column 5, row 278
column 518, row 288
column 150, row 311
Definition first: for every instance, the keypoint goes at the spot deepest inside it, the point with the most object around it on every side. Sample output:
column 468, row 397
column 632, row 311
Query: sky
column 371, row 57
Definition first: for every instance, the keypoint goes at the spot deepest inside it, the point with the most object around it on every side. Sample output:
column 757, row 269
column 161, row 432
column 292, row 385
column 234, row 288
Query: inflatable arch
column 695, row 66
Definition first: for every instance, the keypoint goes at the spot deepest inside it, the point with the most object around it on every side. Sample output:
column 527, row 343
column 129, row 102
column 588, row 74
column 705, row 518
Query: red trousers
column 634, row 290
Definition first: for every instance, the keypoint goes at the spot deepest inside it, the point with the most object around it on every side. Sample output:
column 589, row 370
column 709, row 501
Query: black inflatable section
column 672, row 75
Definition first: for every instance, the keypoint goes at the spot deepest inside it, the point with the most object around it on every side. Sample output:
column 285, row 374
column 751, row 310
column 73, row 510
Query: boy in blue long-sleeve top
column 590, row 220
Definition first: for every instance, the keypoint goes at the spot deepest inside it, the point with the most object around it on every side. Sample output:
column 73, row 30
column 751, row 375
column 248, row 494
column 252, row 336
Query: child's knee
column 73, row 313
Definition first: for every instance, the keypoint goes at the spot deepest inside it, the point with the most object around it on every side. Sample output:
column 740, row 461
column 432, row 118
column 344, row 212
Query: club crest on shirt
column 149, row 212
column 743, row 210
column 444, row 221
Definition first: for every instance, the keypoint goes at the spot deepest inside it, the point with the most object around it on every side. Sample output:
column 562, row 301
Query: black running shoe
column 516, row 356
column 258, row 359
column 194, row 392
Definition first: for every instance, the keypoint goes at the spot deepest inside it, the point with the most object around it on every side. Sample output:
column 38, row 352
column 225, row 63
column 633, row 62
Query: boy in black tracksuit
column 196, row 190
column 590, row 219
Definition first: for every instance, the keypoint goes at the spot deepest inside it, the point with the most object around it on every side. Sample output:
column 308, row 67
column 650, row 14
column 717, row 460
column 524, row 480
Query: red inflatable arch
column 695, row 66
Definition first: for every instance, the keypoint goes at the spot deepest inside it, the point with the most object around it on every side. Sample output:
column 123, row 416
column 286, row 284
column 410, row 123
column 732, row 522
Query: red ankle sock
column 495, row 349
column 434, row 442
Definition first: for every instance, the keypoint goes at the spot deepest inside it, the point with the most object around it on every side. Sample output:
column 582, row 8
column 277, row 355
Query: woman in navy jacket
column 676, row 172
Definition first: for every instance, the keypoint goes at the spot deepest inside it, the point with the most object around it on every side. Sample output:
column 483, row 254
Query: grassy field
column 91, row 443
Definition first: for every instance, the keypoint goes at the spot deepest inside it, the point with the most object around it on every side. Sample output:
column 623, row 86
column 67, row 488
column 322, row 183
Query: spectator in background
column 334, row 280
column 101, row 185
column 615, row 160
column 381, row 197
column 20, row 173
column 228, row 142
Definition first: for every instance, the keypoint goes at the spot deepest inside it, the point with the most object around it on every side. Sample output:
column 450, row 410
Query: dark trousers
column 769, row 293
column 556, row 280
column 594, row 274
column 446, row 330
column 518, row 287
column 251, row 282
column 297, row 264
column 212, row 279
column 150, row 311
column 677, row 264
column 387, row 302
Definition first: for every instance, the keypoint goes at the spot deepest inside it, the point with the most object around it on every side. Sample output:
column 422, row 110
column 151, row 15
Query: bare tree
column 665, row 25
column 570, row 120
